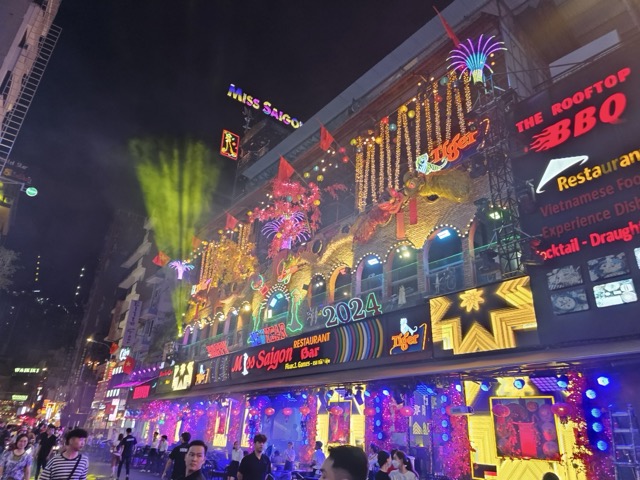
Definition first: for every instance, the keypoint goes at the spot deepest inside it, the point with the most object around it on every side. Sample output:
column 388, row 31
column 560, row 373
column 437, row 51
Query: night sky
column 125, row 69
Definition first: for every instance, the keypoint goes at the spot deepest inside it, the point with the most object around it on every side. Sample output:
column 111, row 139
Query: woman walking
column 15, row 463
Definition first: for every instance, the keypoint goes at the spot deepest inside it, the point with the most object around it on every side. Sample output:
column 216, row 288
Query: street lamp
column 91, row 340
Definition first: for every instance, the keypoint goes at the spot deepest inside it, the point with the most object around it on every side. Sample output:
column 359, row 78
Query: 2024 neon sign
column 352, row 310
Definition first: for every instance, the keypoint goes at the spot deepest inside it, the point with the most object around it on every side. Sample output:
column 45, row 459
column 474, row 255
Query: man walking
column 289, row 457
column 71, row 464
column 255, row 466
column 128, row 444
column 153, row 454
column 176, row 457
column 46, row 442
column 195, row 459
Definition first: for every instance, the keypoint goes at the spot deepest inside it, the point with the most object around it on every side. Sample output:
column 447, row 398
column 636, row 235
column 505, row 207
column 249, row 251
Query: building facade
column 448, row 265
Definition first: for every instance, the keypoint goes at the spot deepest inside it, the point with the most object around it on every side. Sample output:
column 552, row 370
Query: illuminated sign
column 19, row 398
column 450, row 151
column 409, row 338
column 141, row 391
column 26, row 370
column 361, row 343
column 582, row 169
column 352, row 310
column 212, row 371
column 217, row 349
column 124, row 353
column 268, row 334
column 267, row 108
column 168, row 372
column 182, row 376
column 583, row 121
column 229, row 145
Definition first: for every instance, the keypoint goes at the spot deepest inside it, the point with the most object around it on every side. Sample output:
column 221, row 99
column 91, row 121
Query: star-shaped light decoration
column 507, row 311
column 471, row 300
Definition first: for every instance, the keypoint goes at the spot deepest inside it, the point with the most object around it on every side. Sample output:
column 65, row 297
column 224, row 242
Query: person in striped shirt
column 71, row 464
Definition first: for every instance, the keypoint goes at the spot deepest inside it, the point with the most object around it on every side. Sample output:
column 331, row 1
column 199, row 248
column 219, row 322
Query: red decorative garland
column 595, row 464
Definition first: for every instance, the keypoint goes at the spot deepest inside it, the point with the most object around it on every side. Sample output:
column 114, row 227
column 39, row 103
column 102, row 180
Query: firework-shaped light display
column 181, row 267
column 474, row 57
column 287, row 229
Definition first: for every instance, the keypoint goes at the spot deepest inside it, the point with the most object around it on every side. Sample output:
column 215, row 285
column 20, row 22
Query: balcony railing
column 455, row 273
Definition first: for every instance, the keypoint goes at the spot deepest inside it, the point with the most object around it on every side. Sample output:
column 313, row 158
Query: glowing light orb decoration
column 473, row 58
column 181, row 267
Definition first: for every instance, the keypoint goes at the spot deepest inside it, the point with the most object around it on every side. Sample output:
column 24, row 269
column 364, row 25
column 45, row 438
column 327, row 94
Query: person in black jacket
column 177, row 457
column 128, row 444
column 195, row 459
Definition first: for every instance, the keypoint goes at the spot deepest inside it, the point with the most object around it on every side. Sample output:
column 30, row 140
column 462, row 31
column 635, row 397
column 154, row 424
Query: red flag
column 161, row 259
column 450, row 33
column 113, row 348
column 285, row 170
column 231, row 222
column 128, row 365
column 326, row 139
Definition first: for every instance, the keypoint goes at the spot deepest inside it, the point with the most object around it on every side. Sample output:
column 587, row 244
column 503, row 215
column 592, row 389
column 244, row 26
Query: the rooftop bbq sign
column 582, row 172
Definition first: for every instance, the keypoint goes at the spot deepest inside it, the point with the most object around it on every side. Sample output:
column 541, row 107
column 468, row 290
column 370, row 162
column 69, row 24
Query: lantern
column 345, row 159
column 342, row 150
column 411, row 113
column 336, row 410
column 304, row 410
column 406, row 411
column 500, row 410
column 562, row 410
column 269, row 411
column 253, row 412
column 369, row 411
column 287, row 411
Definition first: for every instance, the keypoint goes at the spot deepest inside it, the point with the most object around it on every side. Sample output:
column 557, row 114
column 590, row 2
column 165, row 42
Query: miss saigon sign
column 267, row 107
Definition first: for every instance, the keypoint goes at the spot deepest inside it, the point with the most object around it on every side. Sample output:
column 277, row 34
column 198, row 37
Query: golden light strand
column 398, row 152
column 467, row 90
column 458, row 99
column 371, row 161
column 428, row 124
column 386, row 141
column 407, row 139
column 382, row 159
column 448, row 113
column 418, row 126
column 360, row 175
column 436, row 114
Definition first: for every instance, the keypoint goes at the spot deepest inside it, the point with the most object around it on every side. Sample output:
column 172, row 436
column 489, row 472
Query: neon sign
column 268, row 334
column 217, row 349
column 410, row 339
column 595, row 239
column 267, row 108
column 141, row 391
column 352, row 310
column 609, row 111
column 229, row 144
column 182, row 376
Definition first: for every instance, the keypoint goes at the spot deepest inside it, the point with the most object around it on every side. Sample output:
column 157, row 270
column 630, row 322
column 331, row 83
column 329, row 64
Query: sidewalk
column 101, row 470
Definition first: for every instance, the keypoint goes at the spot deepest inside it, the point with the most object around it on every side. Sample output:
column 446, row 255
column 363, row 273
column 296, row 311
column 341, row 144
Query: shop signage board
column 164, row 381
column 212, row 372
column 356, row 344
column 493, row 317
column 583, row 174
column 182, row 376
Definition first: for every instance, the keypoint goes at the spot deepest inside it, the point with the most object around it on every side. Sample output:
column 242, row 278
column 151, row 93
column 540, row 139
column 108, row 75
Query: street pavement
column 102, row 470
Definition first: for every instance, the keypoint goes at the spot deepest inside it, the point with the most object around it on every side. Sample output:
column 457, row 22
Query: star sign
column 471, row 300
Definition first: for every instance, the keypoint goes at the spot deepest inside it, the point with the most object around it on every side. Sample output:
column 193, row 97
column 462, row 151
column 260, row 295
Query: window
column 444, row 262
column 371, row 277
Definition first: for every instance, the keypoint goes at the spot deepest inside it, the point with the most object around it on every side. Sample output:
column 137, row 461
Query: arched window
column 404, row 274
column 370, row 275
column 342, row 285
column 277, row 308
column 444, row 262
column 318, row 291
column 485, row 254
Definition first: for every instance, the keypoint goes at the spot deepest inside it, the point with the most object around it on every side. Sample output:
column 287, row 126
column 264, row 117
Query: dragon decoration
column 294, row 214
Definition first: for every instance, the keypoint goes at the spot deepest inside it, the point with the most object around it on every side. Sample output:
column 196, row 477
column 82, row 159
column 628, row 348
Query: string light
column 361, row 175
column 386, row 141
column 429, row 125
column 448, row 112
column 371, row 162
column 418, row 129
column 466, row 79
column 453, row 78
column 436, row 113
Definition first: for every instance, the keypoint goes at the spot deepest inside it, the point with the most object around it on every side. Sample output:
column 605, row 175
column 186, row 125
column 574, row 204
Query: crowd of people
column 57, row 455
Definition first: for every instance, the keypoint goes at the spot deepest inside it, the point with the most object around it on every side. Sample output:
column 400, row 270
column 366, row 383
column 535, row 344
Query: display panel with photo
column 568, row 276
column 525, row 428
column 339, row 422
column 569, row 301
column 607, row 267
column 615, row 293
